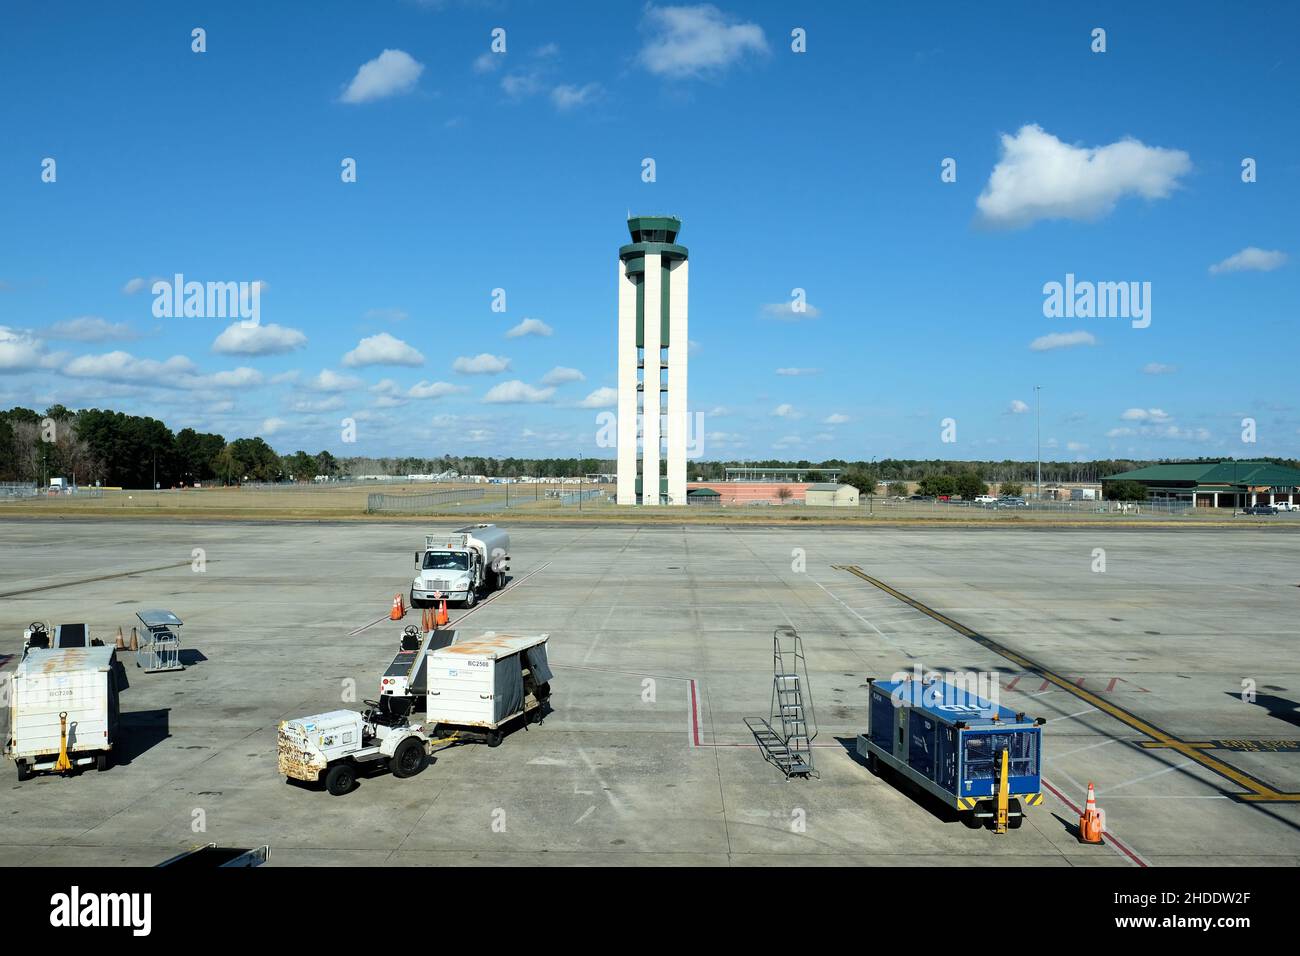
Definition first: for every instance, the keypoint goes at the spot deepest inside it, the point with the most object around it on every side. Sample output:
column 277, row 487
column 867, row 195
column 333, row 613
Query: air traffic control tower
column 652, row 344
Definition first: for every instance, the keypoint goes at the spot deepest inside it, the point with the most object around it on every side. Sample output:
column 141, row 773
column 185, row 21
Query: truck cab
column 461, row 565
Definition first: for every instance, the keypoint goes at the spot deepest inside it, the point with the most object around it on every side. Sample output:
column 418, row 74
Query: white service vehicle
column 985, row 500
column 461, row 565
column 1285, row 506
column 63, row 709
column 336, row 745
column 469, row 690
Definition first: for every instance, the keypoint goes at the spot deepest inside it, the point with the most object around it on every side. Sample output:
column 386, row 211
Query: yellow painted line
column 1258, row 790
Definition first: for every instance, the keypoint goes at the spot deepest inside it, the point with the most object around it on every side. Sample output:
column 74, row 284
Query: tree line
column 132, row 451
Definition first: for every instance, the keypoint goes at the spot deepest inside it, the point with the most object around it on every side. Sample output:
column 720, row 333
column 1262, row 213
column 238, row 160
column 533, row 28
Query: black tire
column 471, row 598
column 414, row 602
column 1015, row 815
column 494, row 738
column 25, row 772
column 408, row 759
column 501, row 580
column 103, row 761
column 340, row 779
column 972, row 822
column 535, row 715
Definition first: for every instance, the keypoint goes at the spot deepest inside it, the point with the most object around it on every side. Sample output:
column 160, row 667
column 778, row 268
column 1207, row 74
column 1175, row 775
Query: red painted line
column 1114, row 840
column 695, row 717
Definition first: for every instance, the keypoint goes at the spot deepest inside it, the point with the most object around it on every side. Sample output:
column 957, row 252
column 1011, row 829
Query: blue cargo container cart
column 979, row 757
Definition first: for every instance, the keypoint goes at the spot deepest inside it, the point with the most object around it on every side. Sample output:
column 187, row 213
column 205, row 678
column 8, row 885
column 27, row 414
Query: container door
column 900, row 733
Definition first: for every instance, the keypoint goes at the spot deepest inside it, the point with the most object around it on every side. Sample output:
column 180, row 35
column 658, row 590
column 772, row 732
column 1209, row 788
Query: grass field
column 558, row 503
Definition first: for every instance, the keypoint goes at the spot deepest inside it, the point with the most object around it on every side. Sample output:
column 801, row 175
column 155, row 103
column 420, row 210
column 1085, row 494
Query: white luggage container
column 487, row 681
column 63, row 700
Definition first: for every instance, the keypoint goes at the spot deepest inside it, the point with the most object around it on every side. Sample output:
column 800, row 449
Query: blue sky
column 817, row 170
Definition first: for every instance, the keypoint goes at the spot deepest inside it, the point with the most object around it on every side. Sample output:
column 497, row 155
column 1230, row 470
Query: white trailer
column 485, row 682
column 460, row 565
column 63, row 710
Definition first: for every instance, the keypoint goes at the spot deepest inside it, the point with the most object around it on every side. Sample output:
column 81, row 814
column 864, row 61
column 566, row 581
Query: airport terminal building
column 1222, row 484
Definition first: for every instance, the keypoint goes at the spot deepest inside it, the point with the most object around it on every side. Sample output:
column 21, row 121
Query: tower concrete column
column 679, row 425
column 651, row 381
column 627, row 426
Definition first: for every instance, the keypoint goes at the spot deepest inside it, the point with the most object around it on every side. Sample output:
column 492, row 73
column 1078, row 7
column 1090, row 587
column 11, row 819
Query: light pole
column 1038, row 395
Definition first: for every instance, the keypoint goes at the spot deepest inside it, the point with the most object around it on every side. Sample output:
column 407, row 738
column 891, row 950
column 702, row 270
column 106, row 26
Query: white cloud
column 1250, row 259
column 516, row 392
column 434, row 389
column 786, row 410
column 386, row 315
column 138, row 284
column 382, row 349
column 561, row 374
column 692, row 41
column 18, row 350
column 272, row 425
column 785, row 312
column 1040, row 177
column 835, row 419
column 519, row 85
column 389, row 74
column 569, row 97
column 1076, row 446
column 798, row 371
column 1017, row 407
column 123, row 367
column 386, row 386
column 1158, row 368
column 1062, row 340
column 482, row 364
column 331, row 381
column 1153, row 415
column 601, row 398
column 242, row 377
column 259, row 339
column 310, row 405
column 89, row 328
column 488, row 62
column 529, row 327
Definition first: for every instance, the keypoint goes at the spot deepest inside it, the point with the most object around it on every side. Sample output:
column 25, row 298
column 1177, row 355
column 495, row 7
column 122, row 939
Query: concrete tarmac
column 661, row 642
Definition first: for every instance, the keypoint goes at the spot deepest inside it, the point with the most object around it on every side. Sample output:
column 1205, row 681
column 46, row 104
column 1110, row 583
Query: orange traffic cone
column 1092, row 822
column 120, row 641
column 399, row 610
column 426, row 620
column 135, row 640
column 442, row 620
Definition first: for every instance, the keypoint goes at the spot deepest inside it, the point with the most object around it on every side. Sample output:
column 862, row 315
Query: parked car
column 985, row 500
column 1010, row 502
column 1260, row 510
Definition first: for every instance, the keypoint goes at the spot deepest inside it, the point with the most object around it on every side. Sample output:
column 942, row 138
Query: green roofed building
column 1217, row 484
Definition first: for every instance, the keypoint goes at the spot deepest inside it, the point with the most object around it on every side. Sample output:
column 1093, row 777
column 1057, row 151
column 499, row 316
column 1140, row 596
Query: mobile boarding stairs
column 785, row 737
